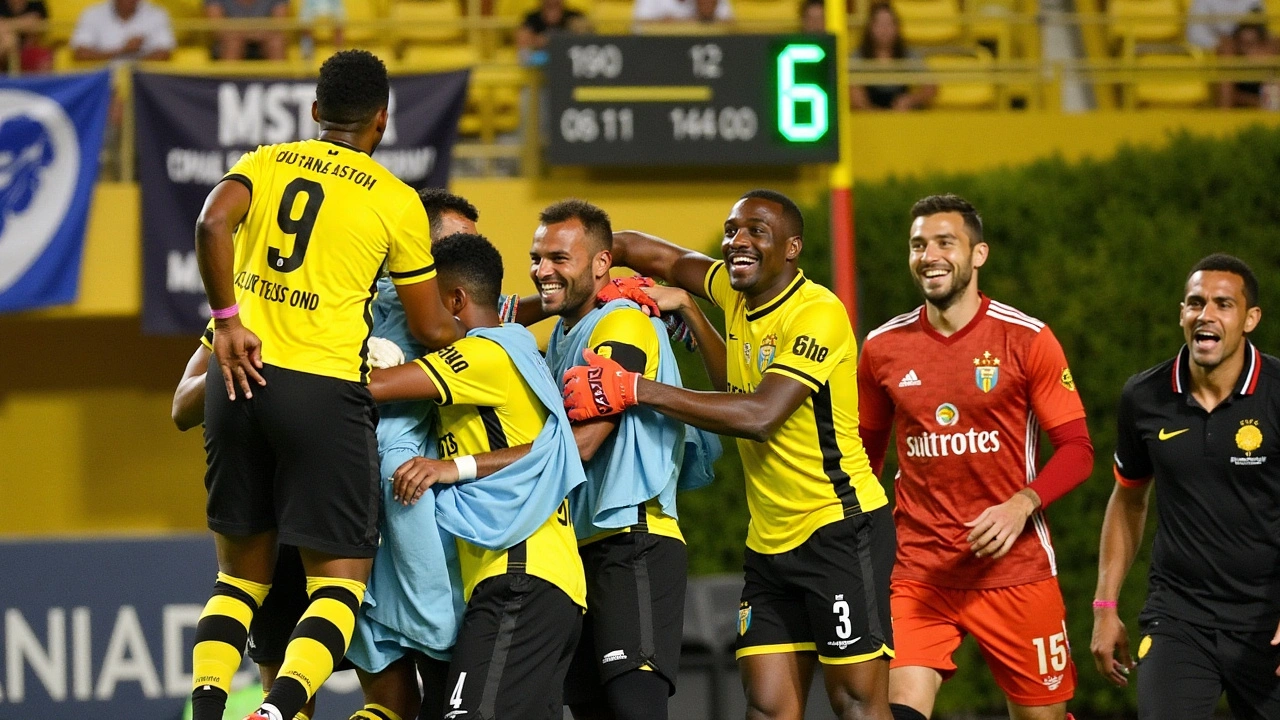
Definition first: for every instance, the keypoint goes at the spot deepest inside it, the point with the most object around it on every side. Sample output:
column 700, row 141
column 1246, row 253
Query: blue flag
column 51, row 131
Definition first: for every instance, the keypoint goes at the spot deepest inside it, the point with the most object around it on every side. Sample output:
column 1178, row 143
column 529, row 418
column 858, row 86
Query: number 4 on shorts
column 455, row 700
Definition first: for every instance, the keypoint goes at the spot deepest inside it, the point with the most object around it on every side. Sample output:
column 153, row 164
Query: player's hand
column 668, row 299
column 418, row 474
column 631, row 288
column 601, row 387
column 1110, row 646
column 133, row 45
column 239, row 354
column 998, row 527
column 384, row 354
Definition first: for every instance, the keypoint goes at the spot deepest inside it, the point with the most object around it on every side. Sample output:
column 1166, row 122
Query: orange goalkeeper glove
column 630, row 289
column 601, row 387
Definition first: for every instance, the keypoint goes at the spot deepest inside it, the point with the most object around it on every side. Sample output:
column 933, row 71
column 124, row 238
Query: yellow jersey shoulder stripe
column 446, row 396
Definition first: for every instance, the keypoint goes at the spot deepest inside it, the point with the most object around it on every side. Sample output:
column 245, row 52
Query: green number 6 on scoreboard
column 792, row 93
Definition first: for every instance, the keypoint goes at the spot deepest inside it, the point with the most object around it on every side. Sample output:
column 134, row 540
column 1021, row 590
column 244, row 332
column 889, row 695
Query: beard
column 944, row 298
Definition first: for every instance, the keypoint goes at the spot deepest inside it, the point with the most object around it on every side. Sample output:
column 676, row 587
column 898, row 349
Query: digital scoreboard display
column 692, row 100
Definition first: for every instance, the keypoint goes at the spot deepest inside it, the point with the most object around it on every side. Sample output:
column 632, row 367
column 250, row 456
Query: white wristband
column 466, row 467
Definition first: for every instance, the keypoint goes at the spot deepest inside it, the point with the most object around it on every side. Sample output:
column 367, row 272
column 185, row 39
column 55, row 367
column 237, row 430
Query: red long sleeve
column 1070, row 465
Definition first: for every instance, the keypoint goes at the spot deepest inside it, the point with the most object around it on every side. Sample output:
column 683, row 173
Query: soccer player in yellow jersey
column 290, row 244
column 524, row 601
column 820, row 545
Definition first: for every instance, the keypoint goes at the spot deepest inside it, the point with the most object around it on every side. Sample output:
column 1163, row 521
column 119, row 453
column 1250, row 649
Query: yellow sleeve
column 472, row 371
column 716, row 285
column 628, row 337
column 206, row 338
column 245, row 171
column 409, row 258
column 812, row 343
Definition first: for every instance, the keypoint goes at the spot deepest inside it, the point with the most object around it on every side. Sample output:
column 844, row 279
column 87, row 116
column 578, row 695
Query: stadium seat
column 426, row 21
column 436, row 57
column 964, row 94
column 611, row 16
column 1144, row 21
column 1176, row 92
column 64, row 14
column 929, row 22
column 191, row 57
column 761, row 15
column 493, row 102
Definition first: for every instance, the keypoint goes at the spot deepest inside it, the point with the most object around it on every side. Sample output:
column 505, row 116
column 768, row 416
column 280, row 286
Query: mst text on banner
column 51, row 132
column 191, row 130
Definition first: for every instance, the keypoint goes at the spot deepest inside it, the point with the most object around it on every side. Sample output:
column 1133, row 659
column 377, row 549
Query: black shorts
column 1183, row 669
column 301, row 457
column 635, row 612
column 513, row 651
column 829, row 595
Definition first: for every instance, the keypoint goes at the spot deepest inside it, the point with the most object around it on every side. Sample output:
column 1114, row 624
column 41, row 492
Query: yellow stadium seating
column 64, row 13
column 1144, row 21
column 611, row 16
column 929, row 22
column 1177, row 92
column 432, row 58
column 191, row 57
column 426, row 21
column 965, row 94
column 767, row 14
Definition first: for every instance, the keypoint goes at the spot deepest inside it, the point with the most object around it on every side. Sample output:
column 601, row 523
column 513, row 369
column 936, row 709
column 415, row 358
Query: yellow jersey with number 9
column 323, row 218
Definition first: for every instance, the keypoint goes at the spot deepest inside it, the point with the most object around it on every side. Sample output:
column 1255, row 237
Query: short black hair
column 593, row 218
column 439, row 201
column 1222, row 262
column 353, row 87
column 473, row 262
column 790, row 211
column 945, row 203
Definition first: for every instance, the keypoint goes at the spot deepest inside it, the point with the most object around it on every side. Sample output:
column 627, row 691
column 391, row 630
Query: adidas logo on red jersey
column 910, row 380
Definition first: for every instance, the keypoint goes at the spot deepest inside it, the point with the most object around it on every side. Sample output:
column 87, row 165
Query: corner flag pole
column 843, row 260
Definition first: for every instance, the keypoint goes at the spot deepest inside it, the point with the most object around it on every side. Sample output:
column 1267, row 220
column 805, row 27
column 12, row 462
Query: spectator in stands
column 20, row 35
column 705, row 11
column 813, row 16
column 1250, row 40
column 882, row 43
column 123, row 30
column 1215, row 34
column 253, row 44
column 538, row 26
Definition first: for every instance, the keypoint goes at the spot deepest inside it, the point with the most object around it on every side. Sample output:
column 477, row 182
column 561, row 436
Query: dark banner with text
column 191, row 130
column 103, row 629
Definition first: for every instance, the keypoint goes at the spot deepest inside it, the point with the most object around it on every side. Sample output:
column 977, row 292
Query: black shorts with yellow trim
column 830, row 595
column 299, row 457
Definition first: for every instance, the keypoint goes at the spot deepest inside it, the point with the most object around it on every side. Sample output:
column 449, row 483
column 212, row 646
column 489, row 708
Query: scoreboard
column 699, row 100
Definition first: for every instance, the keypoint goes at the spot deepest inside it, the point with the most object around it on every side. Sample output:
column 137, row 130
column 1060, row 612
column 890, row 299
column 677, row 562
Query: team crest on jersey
column 744, row 618
column 946, row 415
column 986, row 371
column 1068, row 382
column 768, row 347
column 1249, row 439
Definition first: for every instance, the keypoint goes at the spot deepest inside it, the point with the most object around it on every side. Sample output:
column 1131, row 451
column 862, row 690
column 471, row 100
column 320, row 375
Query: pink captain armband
column 1104, row 604
column 225, row 312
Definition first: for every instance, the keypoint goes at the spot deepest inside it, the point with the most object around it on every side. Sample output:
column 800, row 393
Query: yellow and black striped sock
column 318, row 643
column 373, row 711
column 301, row 716
column 221, row 635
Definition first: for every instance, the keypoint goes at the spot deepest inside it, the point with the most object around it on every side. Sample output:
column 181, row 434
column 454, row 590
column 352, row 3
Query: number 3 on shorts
column 844, row 629
column 455, row 700
column 1057, row 652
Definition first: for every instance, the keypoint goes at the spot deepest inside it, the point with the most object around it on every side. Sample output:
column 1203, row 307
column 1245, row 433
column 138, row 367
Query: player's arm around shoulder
column 652, row 256
column 188, row 399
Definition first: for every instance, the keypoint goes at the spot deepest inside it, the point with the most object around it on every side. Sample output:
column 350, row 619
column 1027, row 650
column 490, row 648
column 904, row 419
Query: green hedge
column 1100, row 251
